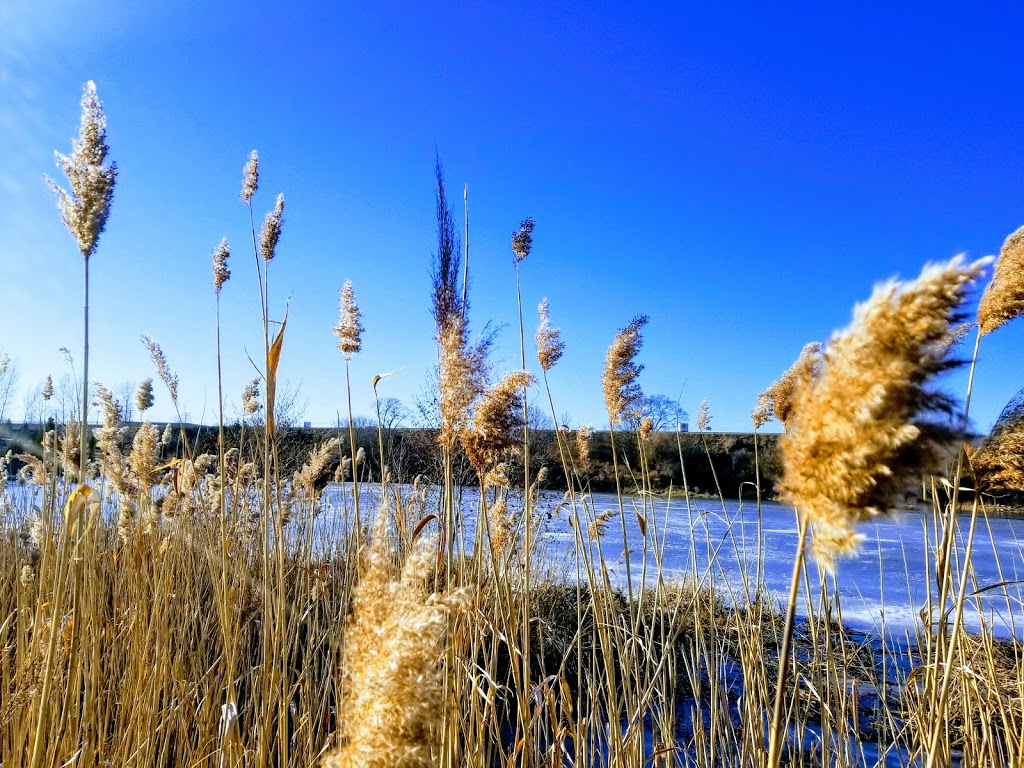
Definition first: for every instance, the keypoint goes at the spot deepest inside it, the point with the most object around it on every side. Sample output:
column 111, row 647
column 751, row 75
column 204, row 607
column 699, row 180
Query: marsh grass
column 180, row 608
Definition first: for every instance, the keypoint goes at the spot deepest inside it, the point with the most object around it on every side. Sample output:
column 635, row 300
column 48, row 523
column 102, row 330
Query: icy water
column 882, row 591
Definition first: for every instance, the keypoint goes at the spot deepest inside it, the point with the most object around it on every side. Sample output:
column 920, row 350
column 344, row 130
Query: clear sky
column 742, row 174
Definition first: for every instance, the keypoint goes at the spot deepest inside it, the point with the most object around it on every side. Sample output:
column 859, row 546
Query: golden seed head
column 462, row 375
column 703, row 416
column 621, row 390
column 309, row 481
column 169, row 379
column 1003, row 300
column 349, row 329
column 869, row 423
column 522, row 239
column 251, row 397
column 47, row 391
column 250, row 177
column 86, row 207
column 144, row 455
column 646, row 428
column 221, row 273
column 598, row 527
column 778, row 400
column 549, row 342
column 271, row 231
column 497, row 419
column 583, row 435
column 144, row 396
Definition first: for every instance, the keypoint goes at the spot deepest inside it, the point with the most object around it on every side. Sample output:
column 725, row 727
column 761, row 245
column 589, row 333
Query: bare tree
column 392, row 413
column 125, row 395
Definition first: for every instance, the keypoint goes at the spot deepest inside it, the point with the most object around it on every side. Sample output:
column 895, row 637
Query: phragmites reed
column 998, row 462
column 621, row 389
column 598, row 527
column 271, row 231
column 349, row 329
column 251, row 401
column 5, row 362
column 143, row 457
column 522, row 239
column 646, row 428
column 250, row 177
column 869, row 423
column 1003, row 299
column 86, row 207
column 549, row 341
column 392, row 680
column 497, row 419
column 166, row 435
column 778, row 400
column 169, row 379
column 221, row 273
column 703, row 416
column 583, row 435
column 144, row 396
column 47, row 390
column 462, row 372
column 309, row 481
column 447, row 303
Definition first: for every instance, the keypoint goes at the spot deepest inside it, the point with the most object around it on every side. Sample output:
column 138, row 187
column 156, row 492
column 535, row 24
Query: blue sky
column 742, row 174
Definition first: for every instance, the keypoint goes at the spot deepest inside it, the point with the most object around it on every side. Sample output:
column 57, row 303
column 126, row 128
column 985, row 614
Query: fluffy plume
column 165, row 438
column 349, row 329
column 221, row 273
column 549, row 342
column 646, row 428
column 597, row 527
column 998, row 462
column 461, row 378
column 502, row 526
column 869, row 423
column 496, row 420
column 703, row 416
column 85, row 208
column 309, row 482
column 47, row 391
column 169, row 379
column 621, row 390
column 251, row 397
column 250, row 177
column 1003, row 300
column 144, row 456
column 778, row 400
column 144, row 396
column 583, row 435
column 392, row 683
column 522, row 239
column 271, row 231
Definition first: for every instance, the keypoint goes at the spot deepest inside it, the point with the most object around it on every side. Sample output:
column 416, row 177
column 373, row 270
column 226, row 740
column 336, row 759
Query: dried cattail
column 86, row 207
column 393, row 690
column 1003, row 299
column 47, row 391
column 778, row 399
column 522, row 239
column 169, row 379
column 703, row 416
column 144, row 396
column 251, row 397
column 621, row 390
column 583, row 435
column 221, row 273
column 271, row 231
column 646, row 428
column 868, row 424
column 496, row 420
column 250, row 177
column 349, row 329
column 549, row 342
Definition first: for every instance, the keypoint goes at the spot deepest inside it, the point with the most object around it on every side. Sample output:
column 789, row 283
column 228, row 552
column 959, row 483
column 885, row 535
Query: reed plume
column 646, row 428
column 497, row 419
column 522, row 240
column 446, row 298
column 251, row 397
column 870, row 421
column 703, row 416
column 144, row 456
column 462, row 376
column 221, row 273
column 1003, row 299
column 998, row 462
column 777, row 401
column 271, row 231
column 311, row 479
column 549, row 341
column 392, row 683
column 583, row 435
column 47, row 390
column 349, row 329
column 250, row 177
column 621, row 390
column 169, row 379
column 144, row 396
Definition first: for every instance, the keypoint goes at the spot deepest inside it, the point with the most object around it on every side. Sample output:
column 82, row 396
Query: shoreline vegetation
column 164, row 601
